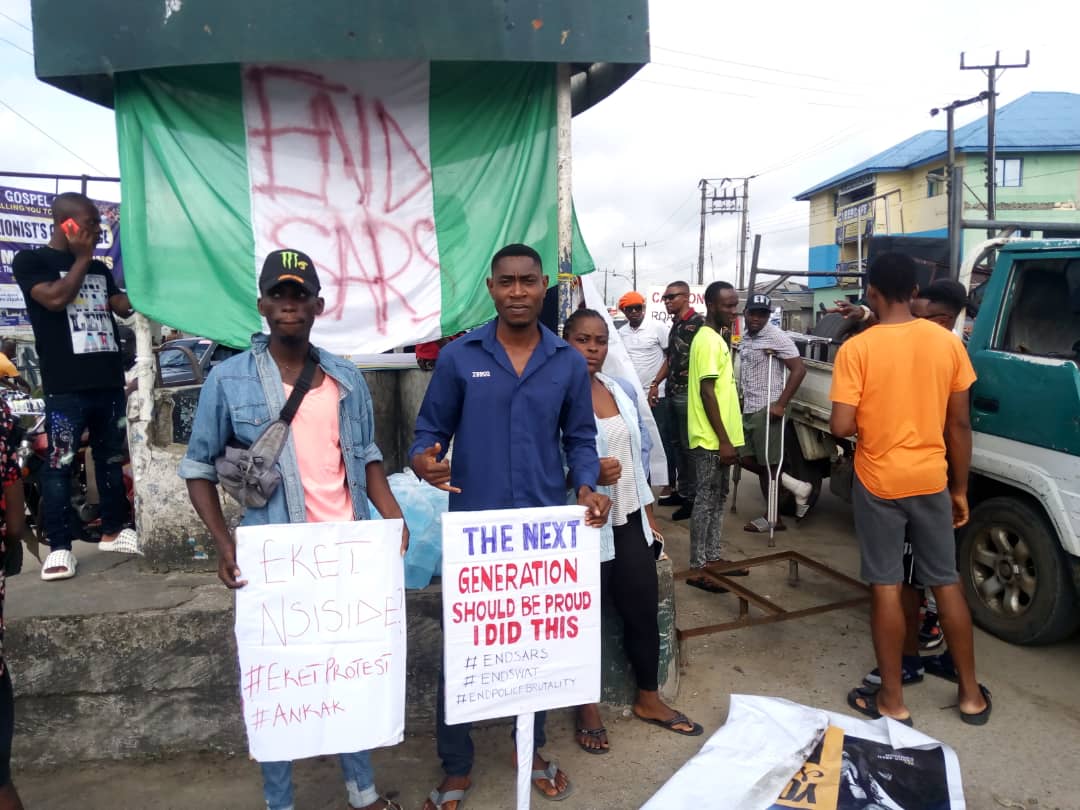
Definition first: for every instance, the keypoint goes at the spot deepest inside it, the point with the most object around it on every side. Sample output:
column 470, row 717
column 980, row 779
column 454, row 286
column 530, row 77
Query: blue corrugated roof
column 1036, row 122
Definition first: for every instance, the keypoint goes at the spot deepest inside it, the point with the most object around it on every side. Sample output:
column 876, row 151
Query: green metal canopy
column 79, row 46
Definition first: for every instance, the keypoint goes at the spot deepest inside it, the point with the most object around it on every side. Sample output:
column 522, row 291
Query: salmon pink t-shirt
column 317, row 437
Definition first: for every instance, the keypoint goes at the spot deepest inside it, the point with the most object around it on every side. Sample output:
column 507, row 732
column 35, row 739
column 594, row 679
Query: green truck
column 1019, row 556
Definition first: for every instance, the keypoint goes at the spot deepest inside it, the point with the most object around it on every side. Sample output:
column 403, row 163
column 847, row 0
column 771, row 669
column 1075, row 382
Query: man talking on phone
column 71, row 298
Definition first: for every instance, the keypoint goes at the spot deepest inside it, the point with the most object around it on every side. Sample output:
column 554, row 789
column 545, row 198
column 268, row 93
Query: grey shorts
column 881, row 525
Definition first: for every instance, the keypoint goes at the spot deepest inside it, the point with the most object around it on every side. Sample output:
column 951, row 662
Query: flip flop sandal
column 935, row 666
column 706, row 584
column 439, row 799
column 549, row 773
column 761, row 526
column 870, row 709
column 696, row 729
column 61, row 558
column 593, row 734
column 983, row 717
column 127, row 542
column 909, row 676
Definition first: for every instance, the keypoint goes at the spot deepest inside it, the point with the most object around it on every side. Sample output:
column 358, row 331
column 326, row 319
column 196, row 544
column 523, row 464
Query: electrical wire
column 785, row 85
column 747, row 64
column 16, row 46
column 50, row 137
column 21, row 25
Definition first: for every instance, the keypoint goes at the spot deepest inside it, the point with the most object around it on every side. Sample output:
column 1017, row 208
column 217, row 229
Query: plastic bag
column 423, row 506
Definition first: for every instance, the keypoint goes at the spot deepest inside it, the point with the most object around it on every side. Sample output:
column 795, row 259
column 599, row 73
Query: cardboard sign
column 656, row 311
column 320, row 632
column 521, row 611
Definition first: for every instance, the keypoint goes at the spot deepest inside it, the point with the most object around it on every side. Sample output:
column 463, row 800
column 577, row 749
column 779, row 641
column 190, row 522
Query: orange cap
column 631, row 298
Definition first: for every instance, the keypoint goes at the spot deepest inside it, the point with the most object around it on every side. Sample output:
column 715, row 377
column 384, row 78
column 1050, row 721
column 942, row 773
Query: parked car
column 187, row 361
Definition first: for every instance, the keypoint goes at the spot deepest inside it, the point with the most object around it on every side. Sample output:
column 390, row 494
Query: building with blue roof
column 901, row 191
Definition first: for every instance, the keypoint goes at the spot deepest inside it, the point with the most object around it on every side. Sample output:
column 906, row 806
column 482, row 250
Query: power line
column 756, row 81
column 16, row 46
column 50, row 137
column 748, row 95
column 21, row 25
column 748, row 65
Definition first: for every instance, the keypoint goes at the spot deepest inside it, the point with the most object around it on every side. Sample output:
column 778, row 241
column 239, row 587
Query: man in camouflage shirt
column 685, row 323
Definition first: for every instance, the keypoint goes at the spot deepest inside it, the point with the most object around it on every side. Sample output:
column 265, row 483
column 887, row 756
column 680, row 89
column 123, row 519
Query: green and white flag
column 399, row 179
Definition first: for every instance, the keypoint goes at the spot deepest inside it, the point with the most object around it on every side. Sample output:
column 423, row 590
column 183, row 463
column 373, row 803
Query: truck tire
column 1015, row 575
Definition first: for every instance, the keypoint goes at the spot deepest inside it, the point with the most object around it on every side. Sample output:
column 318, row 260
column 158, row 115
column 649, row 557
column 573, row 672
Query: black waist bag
column 250, row 474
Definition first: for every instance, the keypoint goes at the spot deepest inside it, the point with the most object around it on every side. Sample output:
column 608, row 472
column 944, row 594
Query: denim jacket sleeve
column 210, row 431
column 367, row 421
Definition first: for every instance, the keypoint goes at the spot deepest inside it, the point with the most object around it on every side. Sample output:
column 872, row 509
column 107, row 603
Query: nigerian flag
column 399, row 179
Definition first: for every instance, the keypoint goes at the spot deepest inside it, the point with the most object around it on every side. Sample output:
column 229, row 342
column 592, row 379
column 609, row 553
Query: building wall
column 1049, row 191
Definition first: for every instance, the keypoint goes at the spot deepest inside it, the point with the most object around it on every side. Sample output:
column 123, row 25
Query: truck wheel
column 1015, row 575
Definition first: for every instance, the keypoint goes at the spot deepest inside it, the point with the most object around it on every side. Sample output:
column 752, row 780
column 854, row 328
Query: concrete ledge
column 121, row 663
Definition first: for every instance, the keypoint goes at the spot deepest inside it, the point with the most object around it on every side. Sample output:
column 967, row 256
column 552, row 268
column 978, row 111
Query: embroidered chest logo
column 481, row 374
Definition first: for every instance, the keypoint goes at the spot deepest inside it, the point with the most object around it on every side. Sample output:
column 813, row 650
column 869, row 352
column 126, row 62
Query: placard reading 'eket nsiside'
column 320, row 631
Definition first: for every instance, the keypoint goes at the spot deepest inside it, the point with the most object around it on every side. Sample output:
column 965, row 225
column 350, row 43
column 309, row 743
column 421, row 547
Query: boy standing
column 903, row 387
column 329, row 466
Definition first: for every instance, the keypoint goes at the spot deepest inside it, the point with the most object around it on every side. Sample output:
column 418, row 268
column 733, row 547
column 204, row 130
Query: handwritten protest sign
column 521, row 611
column 320, row 631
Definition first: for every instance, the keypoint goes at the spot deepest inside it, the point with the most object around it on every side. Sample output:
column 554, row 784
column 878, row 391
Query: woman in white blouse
column 627, row 556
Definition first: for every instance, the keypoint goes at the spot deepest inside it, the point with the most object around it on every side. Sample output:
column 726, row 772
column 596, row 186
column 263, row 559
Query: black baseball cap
column 758, row 301
column 288, row 265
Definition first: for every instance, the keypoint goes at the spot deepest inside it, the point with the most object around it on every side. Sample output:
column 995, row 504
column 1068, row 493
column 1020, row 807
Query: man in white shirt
column 646, row 342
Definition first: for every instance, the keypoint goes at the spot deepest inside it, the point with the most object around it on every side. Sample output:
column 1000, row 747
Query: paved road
column 1027, row 757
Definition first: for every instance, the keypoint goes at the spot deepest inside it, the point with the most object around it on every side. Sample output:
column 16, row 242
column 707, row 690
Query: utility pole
column 703, row 185
column 635, row 246
column 954, row 180
column 991, row 136
column 725, row 200
column 744, row 231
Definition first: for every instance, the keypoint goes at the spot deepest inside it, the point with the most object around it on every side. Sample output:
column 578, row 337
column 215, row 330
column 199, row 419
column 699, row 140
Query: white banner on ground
column 521, row 611
column 773, row 754
column 320, row 632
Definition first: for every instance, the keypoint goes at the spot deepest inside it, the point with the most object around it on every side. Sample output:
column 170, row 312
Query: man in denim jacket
column 329, row 466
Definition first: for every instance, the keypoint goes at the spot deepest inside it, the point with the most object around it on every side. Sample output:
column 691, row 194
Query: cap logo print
column 290, row 260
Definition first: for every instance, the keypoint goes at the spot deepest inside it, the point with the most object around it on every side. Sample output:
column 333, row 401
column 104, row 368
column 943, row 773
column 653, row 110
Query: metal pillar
column 564, row 206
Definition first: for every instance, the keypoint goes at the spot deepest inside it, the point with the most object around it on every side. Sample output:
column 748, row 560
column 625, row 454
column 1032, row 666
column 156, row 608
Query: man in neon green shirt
column 714, row 428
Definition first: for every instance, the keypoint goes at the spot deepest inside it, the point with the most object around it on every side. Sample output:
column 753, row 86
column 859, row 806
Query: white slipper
column 127, row 542
column 61, row 558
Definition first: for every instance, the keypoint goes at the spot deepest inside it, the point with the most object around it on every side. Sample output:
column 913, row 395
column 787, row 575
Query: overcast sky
column 793, row 91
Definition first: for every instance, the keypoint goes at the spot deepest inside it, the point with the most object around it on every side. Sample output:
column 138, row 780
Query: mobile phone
column 70, row 227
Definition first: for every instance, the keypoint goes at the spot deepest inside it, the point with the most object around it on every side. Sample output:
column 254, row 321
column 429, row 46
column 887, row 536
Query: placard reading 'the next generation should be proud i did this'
column 521, row 611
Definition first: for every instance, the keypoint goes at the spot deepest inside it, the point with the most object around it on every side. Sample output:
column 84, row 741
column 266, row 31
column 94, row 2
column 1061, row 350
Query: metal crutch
column 773, row 506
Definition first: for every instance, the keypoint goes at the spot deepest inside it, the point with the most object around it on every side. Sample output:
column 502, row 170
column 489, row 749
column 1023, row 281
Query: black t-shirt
column 79, row 346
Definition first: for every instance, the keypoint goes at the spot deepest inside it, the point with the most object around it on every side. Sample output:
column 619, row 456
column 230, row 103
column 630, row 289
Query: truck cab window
column 1042, row 309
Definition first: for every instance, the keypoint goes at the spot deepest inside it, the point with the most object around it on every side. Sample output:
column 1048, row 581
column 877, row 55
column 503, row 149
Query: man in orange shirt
column 903, row 388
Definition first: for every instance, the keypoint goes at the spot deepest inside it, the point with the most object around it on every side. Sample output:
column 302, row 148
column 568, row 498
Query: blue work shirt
column 510, row 432
column 238, row 400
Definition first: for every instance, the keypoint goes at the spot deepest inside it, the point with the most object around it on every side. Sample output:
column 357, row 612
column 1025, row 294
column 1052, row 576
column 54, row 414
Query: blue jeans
column 455, row 743
column 356, row 768
column 103, row 413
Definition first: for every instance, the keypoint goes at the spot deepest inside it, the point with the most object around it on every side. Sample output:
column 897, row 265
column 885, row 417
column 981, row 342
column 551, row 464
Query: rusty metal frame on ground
column 716, row 572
